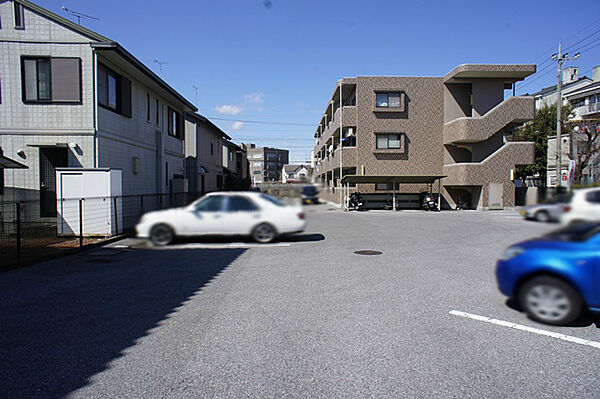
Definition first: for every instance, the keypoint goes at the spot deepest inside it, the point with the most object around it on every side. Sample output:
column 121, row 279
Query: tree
column 586, row 146
column 538, row 130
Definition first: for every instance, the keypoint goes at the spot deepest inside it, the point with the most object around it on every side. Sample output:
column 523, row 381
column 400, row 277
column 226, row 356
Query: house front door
column 50, row 159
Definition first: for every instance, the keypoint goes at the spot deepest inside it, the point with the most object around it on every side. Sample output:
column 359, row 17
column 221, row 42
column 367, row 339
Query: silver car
column 549, row 211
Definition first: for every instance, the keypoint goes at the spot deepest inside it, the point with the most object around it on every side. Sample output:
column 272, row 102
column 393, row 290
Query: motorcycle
column 429, row 203
column 356, row 202
column 461, row 204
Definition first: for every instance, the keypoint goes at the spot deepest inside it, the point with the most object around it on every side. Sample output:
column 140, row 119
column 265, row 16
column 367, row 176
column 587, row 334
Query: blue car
column 554, row 276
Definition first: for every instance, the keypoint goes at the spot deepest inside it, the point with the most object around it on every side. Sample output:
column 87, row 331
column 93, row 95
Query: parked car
column 549, row 211
column 310, row 195
column 225, row 214
column 556, row 276
column 584, row 206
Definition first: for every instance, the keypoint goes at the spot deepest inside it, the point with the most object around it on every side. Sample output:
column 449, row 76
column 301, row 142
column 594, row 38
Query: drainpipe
column 95, row 104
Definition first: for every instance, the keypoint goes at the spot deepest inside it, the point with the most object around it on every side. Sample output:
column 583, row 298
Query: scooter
column 461, row 204
column 356, row 202
column 429, row 203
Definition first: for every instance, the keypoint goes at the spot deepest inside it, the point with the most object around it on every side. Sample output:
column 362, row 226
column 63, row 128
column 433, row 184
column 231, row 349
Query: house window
column 148, row 107
column 19, row 16
column 212, row 149
column 175, row 124
column 389, row 141
column 46, row 79
column 157, row 112
column 114, row 91
column 388, row 100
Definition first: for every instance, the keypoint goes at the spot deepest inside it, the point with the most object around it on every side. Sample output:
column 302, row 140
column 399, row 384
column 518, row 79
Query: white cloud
column 255, row 98
column 237, row 125
column 229, row 109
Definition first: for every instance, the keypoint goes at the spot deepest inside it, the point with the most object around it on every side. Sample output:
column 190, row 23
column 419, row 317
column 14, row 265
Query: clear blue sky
column 278, row 60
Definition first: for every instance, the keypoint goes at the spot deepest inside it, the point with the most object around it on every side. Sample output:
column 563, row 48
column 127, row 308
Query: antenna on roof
column 78, row 15
column 196, row 88
column 160, row 64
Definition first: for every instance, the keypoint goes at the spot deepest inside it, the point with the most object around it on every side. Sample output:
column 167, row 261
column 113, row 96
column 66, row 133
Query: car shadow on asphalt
column 64, row 321
column 308, row 237
column 586, row 318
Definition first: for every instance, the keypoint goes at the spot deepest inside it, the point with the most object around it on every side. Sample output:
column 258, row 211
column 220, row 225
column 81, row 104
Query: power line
column 263, row 122
column 585, row 38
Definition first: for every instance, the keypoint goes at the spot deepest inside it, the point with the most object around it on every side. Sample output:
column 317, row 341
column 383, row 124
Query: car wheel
column 542, row 216
column 550, row 300
column 264, row 233
column 161, row 235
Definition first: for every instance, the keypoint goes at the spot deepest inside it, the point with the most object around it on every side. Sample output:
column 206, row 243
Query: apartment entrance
column 50, row 159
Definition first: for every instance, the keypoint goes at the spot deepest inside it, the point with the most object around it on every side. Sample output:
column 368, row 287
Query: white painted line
column 521, row 327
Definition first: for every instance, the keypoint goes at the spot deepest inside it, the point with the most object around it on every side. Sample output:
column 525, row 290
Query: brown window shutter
column 66, row 79
column 125, row 97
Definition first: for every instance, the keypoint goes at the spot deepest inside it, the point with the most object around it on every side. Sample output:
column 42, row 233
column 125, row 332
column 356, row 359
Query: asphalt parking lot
column 303, row 317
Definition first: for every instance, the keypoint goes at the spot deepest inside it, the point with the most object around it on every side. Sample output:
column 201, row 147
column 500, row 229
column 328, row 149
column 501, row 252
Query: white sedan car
column 226, row 214
column 584, row 206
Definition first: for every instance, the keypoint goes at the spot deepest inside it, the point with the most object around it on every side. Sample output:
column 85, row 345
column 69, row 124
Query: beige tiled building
column 404, row 135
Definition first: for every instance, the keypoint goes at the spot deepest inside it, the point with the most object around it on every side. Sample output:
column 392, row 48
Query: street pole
column 341, row 142
column 560, row 58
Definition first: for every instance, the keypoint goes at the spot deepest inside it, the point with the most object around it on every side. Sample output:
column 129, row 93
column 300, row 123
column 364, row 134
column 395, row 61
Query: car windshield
column 309, row 190
column 575, row 232
column 271, row 200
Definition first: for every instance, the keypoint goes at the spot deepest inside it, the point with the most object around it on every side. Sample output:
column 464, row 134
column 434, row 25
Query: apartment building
column 266, row 163
column 73, row 98
column 395, row 137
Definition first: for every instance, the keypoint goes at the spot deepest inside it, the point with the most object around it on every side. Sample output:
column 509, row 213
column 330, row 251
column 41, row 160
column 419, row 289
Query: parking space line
column 521, row 327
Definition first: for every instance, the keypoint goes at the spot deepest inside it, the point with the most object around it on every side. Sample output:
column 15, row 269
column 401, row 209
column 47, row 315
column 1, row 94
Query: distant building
column 584, row 98
column 295, row 173
column 571, row 82
column 266, row 163
column 235, row 166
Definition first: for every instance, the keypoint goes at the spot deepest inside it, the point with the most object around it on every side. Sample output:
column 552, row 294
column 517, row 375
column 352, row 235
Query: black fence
column 26, row 235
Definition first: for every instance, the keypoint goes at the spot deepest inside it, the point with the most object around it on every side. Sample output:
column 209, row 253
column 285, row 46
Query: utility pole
column 560, row 58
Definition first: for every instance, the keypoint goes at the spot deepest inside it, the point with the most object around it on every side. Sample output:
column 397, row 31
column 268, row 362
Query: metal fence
column 27, row 236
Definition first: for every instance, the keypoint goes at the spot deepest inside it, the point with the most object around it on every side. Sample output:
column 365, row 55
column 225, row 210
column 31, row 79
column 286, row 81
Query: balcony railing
column 588, row 109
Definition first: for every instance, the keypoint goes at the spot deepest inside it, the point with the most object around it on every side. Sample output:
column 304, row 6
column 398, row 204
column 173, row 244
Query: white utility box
column 93, row 193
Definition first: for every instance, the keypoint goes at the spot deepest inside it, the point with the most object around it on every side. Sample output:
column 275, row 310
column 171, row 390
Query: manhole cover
column 100, row 260
column 367, row 252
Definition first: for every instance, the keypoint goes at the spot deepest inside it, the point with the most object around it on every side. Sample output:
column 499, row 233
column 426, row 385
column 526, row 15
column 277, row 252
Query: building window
column 46, row 79
column 212, row 149
column 157, row 113
column 386, row 186
column 19, row 16
column 114, row 91
column 1, row 175
column 389, row 141
column 148, row 107
column 175, row 124
column 388, row 100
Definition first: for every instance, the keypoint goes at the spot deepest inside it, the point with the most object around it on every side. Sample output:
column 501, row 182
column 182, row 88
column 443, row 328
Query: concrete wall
column 487, row 93
column 457, row 101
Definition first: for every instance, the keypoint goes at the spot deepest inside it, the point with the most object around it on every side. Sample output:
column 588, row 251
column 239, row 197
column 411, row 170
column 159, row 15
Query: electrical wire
column 261, row 122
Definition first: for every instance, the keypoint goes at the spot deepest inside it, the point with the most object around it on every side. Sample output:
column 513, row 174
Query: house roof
column 293, row 168
column 103, row 43
column 199, row 118
column 551, row 89
column 583, row 91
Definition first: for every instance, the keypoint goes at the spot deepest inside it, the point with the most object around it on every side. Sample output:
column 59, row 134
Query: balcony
column 349, row 118
column 475, row 129
column 587, row 109
column 492, row 168
column 333, row 162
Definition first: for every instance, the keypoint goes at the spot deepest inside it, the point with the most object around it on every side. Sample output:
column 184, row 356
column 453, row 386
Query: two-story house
column 70, row 97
